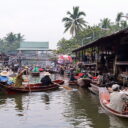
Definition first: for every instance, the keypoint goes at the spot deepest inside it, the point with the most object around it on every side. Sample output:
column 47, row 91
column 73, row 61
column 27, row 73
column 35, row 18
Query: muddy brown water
column 56, row 109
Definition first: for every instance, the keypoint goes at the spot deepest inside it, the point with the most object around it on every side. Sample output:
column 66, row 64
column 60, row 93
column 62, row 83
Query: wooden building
column 107, row 54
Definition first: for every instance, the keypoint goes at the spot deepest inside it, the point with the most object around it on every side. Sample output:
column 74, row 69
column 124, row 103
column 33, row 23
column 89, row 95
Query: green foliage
column 10, row 42
column 74, row 22
column 88, row 34
column 66, row 46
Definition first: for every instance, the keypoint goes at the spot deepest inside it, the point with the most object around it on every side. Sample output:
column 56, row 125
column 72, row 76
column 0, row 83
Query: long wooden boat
column 35, row 73
column 58, row 82
column 104, row 97
column 72, row 83
column 94, row 88
column 37, row 87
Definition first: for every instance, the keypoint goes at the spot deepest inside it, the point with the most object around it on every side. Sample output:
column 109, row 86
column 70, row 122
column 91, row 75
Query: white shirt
column 116, row 101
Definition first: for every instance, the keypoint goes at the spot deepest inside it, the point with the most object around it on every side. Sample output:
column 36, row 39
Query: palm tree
column 119, row 16
column 19, row 37
column 74, row 22
column 124, row 24
column 105, row 23
column 10, row 37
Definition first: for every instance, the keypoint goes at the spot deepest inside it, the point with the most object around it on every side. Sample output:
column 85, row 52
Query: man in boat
column 4, row 78
column 19, row 79
column 116, row 99
column 46, row 80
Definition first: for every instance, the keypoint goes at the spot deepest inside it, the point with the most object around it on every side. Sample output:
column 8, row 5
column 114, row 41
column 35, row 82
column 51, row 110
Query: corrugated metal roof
column 31, row 44
column 34, row 49
column 102, row 40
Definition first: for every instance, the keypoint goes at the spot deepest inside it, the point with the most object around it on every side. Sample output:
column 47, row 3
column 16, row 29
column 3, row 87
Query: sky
column 41, row 20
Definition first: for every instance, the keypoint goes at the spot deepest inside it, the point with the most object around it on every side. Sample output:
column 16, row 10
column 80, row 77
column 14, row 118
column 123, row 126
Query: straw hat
column 4, row 73
column 26, row 67
column 47, row 74
column 115, row 86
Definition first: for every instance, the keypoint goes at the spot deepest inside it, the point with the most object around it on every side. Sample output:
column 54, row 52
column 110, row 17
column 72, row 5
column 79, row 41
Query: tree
column 19, row 37
column 119, row 17
column 66, row 46
column 10, row 42
column 74, row 22
column 105, row 23
column 10, row 37
column 124, row 24
column 121, row 23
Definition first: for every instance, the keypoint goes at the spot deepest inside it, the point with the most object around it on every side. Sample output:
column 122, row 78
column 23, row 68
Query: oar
column 28, row 82
column 64, row 86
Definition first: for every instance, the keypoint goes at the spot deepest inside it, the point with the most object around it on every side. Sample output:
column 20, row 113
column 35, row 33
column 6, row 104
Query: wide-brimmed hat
column 47, row 74
column 26, row 67
column 115, row 86
column 4, row 73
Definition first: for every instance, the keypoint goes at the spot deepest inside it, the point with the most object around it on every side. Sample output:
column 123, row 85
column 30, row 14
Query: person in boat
column 27, row 70
column 116, row 99
column 62, row 70
column 4, row 78
column 19, row 79
column 46, row 80
column 99, row 79
column 72, row 78
column 36, row 69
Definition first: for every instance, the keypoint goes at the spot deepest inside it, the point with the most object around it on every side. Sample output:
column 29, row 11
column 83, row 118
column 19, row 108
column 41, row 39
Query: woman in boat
column 116, row 99
column 46, row 80
column 19, row 79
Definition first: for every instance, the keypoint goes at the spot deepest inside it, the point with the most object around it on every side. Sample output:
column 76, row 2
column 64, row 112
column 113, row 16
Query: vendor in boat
column 19, row 79
column 99, row 79
column 46, row 80
column 4, row 78
column 116, row 99
column 72, row 78
column 36, row 69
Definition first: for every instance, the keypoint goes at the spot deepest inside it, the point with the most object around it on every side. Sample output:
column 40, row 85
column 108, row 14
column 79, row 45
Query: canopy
column 62, row 59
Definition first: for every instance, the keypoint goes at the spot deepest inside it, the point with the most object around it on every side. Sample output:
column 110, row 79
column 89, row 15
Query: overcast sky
column 40, row 20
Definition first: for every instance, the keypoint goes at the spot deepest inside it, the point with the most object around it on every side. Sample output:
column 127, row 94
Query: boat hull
column 35, row 73
column 94, row 89
column 104, row 97
column 38, row 87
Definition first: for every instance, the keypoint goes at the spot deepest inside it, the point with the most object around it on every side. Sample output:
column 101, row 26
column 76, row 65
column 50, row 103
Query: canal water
column 62, row 108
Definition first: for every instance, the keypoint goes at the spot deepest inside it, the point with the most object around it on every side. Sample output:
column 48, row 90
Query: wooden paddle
column 67, row 87
column 64, row 86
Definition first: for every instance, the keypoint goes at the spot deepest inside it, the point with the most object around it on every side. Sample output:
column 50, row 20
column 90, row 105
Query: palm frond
column 65, row 19
column 119, row 16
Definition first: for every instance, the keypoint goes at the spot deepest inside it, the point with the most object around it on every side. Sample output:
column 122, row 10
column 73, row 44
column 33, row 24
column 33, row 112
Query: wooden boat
column 84, row 82
column 72, row 83
column 30, row 88
column 94, row 88
column 58, row 82
column 104, row 97
column 35, row 73
column 37, row 87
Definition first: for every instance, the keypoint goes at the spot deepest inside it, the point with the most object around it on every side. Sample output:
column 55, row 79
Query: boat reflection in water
column 45, row 98
column 116, row 122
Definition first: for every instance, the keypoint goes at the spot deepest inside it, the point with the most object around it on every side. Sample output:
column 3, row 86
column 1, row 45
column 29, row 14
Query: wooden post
column 115, row 66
